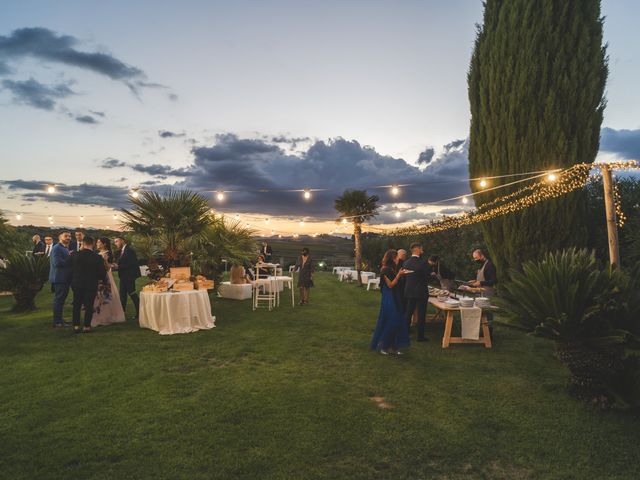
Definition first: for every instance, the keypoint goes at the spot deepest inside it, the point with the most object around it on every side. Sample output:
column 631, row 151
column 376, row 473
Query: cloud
column 426, row 156
column 623, row 143
column 292, row 142
column 47, row 45
column 84, row 194
column 169, row 134
column 4, row 69
column 35, row 94
column 86, row 119
column 112, row 163
column 98, row 114
column 246, row 168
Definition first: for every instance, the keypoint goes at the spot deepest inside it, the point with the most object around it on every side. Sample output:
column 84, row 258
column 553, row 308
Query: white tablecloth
column 179, row 312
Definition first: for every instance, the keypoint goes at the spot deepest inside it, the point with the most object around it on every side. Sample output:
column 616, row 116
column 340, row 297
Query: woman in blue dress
column 392, row 331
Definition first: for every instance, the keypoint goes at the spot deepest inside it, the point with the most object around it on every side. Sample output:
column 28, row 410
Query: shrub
column 24, row 277
column 592, row 313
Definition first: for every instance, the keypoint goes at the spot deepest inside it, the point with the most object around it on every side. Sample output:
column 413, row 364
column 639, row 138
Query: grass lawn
column 290, row 394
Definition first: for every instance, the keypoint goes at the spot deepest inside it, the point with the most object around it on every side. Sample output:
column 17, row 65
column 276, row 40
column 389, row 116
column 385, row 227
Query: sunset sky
column 100, row 97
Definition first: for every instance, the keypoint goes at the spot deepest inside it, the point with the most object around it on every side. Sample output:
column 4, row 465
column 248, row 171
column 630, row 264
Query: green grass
column 288, row 394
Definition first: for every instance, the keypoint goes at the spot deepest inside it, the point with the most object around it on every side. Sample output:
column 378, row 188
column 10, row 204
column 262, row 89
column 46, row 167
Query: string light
column 237, row 217
column 307, row 194
column 395, row 190
column 18, row 217
column 267, row 221
column 134, row 193
column 50, row 218
column 398, row 214
column 483, row 183
column 81, row 218
column 572, row 179
column 344, row 220
column 220, row 196
column 552, row 177
column 51, row 189
column 302, row 223
column 115, row 216
column 81, row 225
column 465, row 200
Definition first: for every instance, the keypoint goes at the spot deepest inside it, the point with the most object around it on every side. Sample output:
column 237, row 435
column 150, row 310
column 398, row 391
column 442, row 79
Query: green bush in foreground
column 24, row 277
column 591, row 312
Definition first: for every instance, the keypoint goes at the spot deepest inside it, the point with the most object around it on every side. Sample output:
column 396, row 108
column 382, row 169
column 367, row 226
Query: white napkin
column 470, row 319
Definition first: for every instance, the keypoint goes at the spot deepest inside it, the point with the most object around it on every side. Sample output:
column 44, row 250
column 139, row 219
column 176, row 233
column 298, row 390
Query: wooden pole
column 610, row 209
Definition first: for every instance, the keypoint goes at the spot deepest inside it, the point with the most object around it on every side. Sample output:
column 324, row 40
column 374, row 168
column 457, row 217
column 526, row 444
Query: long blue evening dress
column 391, row 330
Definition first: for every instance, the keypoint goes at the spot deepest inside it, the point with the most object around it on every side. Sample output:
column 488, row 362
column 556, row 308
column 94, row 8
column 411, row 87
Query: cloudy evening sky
column 100, row 97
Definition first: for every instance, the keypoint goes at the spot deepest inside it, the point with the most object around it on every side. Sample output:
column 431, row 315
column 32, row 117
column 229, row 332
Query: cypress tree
column 536, row 91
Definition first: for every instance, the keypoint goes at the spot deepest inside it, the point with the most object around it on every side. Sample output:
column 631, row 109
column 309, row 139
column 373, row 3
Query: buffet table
column 448, row 310
column 176, row 312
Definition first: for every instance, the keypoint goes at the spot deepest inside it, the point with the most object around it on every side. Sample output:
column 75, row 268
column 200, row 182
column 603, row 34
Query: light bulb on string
column 398, row 214
column 344, row 220
column 483, row 183
column 220, row 196
column 18, row 217
column 552, row 177
column 81, row 218
column 266, row 220
column 302, row 223
column 51, row 189
column 237, row 217
column 50, row 218
column 81, row 225
column 465, row 200
column 395, row 190
column 50, row 222
column 135, row 194
column 307, row 194
column 273, row 232
column 115, row 216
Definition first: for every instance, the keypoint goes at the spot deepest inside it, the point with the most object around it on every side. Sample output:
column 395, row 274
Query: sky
column 101, row 97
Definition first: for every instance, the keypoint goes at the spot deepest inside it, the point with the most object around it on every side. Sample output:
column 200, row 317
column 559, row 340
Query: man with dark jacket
column 60, row 275
column 128, row 271
column 38, row 246
column 87, row 271
column 416, row 290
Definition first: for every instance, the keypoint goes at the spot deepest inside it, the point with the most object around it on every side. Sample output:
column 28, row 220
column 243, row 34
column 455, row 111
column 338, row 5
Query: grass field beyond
column 292, row 394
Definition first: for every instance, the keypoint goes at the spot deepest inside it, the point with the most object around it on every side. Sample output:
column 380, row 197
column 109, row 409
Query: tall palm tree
column 170, row 225
column 356, row 206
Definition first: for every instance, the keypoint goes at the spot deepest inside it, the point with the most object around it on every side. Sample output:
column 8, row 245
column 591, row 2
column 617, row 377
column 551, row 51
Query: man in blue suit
column 60, row 276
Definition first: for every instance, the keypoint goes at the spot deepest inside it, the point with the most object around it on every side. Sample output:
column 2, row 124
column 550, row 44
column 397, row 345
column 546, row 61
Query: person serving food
column 486, row 277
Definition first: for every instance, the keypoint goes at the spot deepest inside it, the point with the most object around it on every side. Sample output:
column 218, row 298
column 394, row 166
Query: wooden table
column 448, row 310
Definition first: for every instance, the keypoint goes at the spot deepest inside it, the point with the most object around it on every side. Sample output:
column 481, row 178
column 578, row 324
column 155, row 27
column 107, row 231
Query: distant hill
column 330, row 249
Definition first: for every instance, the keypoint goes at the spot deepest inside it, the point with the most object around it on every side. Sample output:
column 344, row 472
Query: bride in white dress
column 107, row 308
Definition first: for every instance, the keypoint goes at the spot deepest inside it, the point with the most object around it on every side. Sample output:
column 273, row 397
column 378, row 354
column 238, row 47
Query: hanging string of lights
column 550, row 184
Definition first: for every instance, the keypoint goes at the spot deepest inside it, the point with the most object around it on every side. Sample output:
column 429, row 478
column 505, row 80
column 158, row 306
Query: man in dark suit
column 128, row 271
column 38, row 246
column 416, row 291
column 87, row 271
column 60, row 275
column 76, row 245
column 48, row 245
column 266, row 251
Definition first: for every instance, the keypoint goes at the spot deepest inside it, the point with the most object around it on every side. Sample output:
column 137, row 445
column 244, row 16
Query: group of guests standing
column 405, row 292
column 85, row 266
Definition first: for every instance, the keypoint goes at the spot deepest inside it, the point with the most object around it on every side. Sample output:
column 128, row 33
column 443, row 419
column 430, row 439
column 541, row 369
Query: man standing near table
column 416, row 290
column 60, row 276
column 486, row 280
column 128, row 271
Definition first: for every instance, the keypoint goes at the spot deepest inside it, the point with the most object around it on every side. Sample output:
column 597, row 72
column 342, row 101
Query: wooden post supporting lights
column 610, row 209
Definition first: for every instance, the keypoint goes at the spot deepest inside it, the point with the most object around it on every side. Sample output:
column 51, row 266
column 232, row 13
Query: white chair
column 288, row 281
column 373, row 281
column 265, row 289
column 235, row 291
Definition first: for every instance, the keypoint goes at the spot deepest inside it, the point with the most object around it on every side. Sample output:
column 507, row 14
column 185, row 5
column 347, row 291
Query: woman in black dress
column 305, row 269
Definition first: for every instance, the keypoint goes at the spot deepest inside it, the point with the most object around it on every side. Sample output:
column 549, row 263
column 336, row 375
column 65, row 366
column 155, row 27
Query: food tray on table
column 202, row 283
column 183, row 286
column 180, row 273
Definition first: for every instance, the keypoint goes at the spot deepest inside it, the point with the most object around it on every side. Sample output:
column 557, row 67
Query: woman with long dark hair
column 392, row 332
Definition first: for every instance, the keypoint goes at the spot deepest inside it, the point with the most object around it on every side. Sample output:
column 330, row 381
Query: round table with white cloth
column 176, row 312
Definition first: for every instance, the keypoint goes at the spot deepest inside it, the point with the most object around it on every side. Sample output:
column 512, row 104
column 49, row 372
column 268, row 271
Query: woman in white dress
column 107, row 308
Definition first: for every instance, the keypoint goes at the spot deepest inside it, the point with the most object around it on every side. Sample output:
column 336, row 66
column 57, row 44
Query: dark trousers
column 421, row 305
column 128, row 289
column 83, row 297
column 60, row 292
